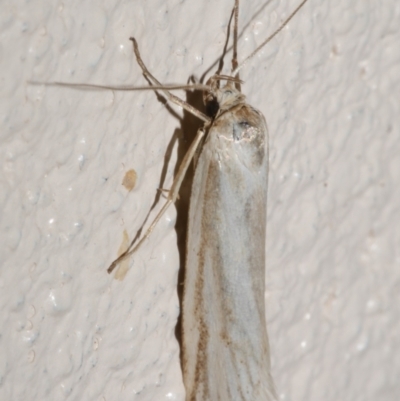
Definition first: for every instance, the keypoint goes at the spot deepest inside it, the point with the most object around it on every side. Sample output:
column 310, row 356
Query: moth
column 225, row 350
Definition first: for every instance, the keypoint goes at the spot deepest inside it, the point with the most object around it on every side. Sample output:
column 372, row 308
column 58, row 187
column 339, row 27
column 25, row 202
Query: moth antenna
column 228, row 34
column 235, row 42
column 244, row 62
column 81, row 86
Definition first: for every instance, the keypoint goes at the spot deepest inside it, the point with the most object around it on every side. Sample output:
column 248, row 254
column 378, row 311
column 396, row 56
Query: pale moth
column 225, row 345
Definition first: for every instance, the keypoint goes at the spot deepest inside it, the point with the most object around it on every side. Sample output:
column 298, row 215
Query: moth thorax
column 229, row 96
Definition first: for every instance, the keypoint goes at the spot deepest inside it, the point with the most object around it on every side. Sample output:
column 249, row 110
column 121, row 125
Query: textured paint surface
column 328, row 87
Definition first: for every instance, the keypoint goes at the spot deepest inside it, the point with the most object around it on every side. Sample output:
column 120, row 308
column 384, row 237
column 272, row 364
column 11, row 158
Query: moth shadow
column 186, row 134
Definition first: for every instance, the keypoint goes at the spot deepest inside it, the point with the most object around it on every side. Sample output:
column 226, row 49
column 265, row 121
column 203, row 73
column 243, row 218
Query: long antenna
column 82, row 86
column 240, row 66
column 235, row 36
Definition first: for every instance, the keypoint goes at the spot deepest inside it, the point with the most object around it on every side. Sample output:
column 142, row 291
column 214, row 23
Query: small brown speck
column 129, row 180
column 335, row 50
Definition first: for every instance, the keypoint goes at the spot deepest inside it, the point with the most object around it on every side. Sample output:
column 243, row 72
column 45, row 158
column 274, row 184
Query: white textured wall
column 329, row 87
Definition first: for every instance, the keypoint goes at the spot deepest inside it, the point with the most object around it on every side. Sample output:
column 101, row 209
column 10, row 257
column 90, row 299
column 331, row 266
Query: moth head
column 217, row 98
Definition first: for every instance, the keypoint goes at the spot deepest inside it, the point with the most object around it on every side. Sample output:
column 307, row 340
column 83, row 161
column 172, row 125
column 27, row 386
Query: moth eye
column 212, row 108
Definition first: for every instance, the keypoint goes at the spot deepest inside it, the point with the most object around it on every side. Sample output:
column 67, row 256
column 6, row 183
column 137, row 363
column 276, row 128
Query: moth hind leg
column 171, row 198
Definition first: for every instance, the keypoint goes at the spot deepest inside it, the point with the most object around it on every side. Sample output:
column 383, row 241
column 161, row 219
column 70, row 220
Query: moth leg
column 172, row 196
column 172, row 98
column 165, row 192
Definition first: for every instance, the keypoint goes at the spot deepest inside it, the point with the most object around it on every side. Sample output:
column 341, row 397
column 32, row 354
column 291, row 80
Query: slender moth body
column 225, row 345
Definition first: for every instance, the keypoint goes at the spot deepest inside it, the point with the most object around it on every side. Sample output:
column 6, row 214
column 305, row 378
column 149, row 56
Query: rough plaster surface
column 328, row 86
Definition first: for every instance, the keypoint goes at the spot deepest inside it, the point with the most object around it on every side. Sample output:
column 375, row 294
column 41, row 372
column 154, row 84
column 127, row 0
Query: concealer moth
column 225, row 350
